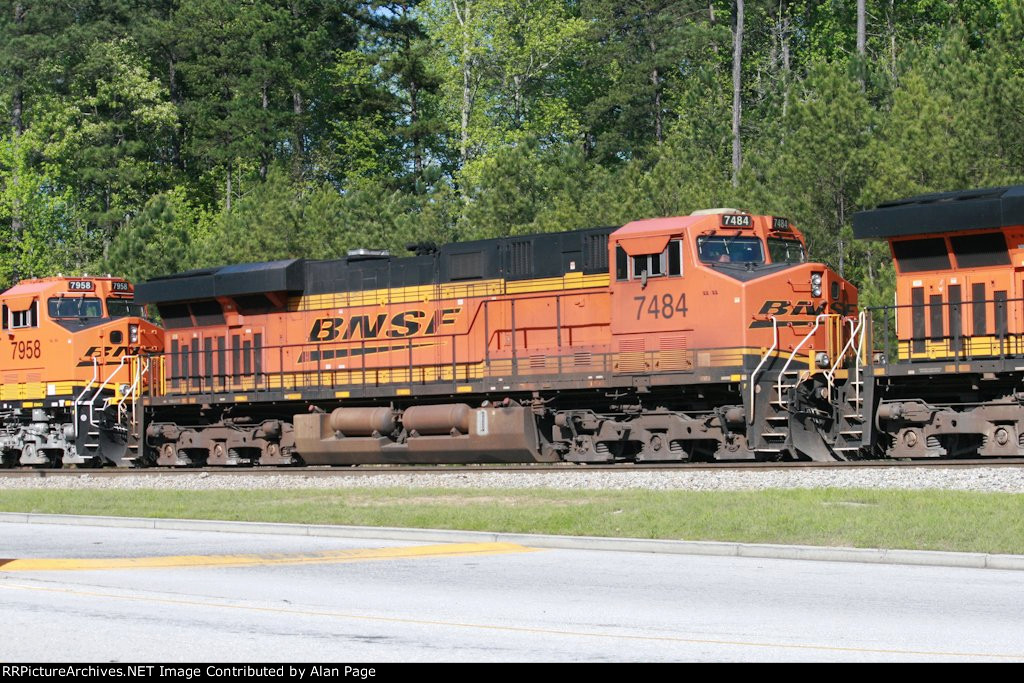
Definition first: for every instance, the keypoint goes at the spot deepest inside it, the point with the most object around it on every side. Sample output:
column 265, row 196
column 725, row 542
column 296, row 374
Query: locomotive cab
column 70, row 367
column 731, row 298
column 729, row 283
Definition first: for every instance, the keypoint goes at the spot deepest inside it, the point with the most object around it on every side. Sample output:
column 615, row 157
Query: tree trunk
column 172, row 78
column 861, row 29
column 892, row 37
column 737, row 103
column 414, row 117
column 18, row 124
column 298, row 108
column 467, row 95
column 656, row 82
column 265, row 156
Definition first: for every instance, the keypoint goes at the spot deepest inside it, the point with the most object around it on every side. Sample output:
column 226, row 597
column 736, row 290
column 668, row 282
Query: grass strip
column 862, row 518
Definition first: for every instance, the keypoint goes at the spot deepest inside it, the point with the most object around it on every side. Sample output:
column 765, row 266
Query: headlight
column 821, row 358
column 815, row 290
column 816, row 279
column 133, row 333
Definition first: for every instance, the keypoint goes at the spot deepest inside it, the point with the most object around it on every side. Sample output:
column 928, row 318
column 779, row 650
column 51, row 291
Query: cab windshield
column 74, row 307
column 722, row 249
column 786, row 251
column 124, row 308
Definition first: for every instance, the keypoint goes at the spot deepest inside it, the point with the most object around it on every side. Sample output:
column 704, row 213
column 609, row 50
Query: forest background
column 143, row 137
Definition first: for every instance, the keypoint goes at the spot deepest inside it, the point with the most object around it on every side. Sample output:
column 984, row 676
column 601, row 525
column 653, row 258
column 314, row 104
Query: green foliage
column 51, row 237
column 822, row 146
column 158, row 241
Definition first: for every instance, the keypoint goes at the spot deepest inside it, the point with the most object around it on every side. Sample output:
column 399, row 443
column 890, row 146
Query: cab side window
column 675, row 257
column 668, row 262
column 16, row 320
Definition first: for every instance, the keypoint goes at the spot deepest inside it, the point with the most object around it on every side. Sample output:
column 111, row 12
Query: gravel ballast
column 985, row 479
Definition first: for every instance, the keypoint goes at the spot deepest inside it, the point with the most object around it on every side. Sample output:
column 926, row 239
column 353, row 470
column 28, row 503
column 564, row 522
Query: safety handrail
column 855, row 328
column 92, row 402
column 753, row 375
column 74, row 409
column 817, row 324
column 140, row 370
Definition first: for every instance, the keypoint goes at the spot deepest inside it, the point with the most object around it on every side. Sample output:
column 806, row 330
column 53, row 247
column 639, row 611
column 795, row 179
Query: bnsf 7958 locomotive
column 72, row 371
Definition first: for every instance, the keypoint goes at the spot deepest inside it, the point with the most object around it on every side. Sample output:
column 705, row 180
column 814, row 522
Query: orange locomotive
column 957, row 328
column 694, row 337
column 71, row 371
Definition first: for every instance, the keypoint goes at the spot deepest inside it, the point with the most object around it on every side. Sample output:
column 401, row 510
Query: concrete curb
column 636, row 545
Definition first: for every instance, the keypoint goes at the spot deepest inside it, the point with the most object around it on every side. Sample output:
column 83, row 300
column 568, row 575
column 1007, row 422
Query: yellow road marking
column 356, row 555
column 511, row 629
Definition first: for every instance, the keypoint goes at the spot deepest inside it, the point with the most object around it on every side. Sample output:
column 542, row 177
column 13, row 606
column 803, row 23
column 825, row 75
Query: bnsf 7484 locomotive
column 705, row 336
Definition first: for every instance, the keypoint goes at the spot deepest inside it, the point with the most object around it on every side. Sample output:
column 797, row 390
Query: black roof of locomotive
column 982, row 209
column 512, row 258
column 207, row 283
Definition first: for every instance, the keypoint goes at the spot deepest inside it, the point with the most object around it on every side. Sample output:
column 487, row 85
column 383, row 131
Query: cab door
column 650, row 314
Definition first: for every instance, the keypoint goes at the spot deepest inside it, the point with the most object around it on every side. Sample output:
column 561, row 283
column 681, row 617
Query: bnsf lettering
column 325, row 329
column 774, row 308
column 106, row 352
column 404, row 324
column 361, row 324
column 801, row 308
column 113, row 351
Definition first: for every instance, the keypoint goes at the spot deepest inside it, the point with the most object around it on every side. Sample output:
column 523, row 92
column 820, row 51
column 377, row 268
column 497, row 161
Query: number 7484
column 661, row 305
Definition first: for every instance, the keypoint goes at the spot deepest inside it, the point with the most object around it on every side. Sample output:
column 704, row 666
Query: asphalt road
column 259, row 598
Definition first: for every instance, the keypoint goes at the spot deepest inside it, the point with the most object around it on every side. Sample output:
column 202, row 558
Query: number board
column 780, row 223
column 81, row 286
column 121, row 287
column 736, row 221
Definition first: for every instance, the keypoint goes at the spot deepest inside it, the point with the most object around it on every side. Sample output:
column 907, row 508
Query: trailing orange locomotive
column 706, row 336
column 72, row 371
column 952, row 384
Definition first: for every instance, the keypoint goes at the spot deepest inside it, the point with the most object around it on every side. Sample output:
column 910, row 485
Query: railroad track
column 372, row 470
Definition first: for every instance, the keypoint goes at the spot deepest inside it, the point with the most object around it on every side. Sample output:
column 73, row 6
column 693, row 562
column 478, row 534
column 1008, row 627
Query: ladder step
column 852, row 432
column 853, row 416
column 768, row 450
column 846, row 448
column 774, row 435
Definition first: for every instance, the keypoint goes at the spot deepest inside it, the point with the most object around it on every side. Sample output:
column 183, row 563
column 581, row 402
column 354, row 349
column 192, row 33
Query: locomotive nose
column 150, row 337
